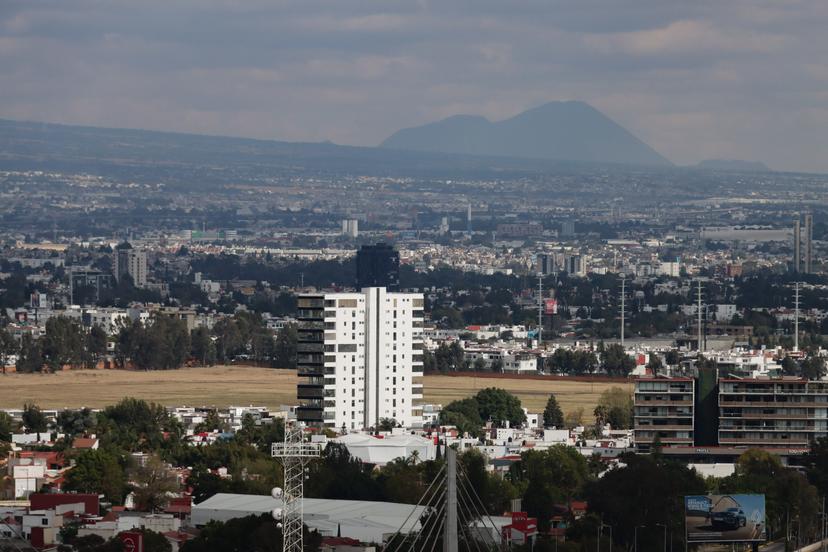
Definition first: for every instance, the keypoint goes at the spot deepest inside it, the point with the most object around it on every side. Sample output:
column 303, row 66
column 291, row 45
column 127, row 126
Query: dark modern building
column 378, row 266
column 718, row 418
column 86, row 287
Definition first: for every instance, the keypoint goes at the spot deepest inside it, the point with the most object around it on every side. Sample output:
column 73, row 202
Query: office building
column 360, row 358
column 131, row 262
column 663, row 408
column 378, row 266
column 809, row 243
column 567, row 229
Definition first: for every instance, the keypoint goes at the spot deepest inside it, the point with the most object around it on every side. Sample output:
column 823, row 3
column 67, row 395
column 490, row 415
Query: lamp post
column 602, row 529
column 635, row 538
column 664, row 525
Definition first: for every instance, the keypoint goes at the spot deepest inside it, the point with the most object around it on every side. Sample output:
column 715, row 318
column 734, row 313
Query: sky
column 700, row 79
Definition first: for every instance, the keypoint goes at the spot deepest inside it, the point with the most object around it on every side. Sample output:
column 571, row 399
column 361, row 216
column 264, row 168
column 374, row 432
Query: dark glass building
column 378, row 266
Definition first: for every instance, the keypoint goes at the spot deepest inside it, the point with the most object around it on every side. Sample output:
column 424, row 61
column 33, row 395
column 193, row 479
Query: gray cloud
column 743, row 79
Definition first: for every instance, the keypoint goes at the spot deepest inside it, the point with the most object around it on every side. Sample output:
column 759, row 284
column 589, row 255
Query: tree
column 672, row 357
column 97, row 471
column 500, row 407
column 813, row 367
column 96, row 344
column 574, row 418
column 555, row 475
column 286, row 347
column 615, row 361
column 654, row 365
column 615, row 406
column 202, row 347
column 63, row 343
column 76, row 422
column 31, row 355
column 6, row 427
column 552, row 414
column 34, row 419
column 387, row 424
column 656, row 489
column 816, row 463
column 8, row 347
column 153, row 482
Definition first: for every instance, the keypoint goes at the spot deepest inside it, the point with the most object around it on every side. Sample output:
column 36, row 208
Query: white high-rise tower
column 360, row 355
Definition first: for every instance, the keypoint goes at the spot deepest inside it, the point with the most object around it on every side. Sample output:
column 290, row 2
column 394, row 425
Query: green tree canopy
column 553, row 415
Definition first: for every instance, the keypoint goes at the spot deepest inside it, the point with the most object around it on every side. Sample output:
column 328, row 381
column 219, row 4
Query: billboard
column 551, row 306
column 725, row 518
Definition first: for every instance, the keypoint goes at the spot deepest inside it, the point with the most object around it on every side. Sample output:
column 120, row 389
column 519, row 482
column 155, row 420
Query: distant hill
column 192, row 160
column 564, row 131
column 733, row 165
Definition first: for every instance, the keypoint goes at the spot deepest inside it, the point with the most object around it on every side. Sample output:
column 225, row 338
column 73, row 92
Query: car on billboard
column 729, row 519
column 725, row 518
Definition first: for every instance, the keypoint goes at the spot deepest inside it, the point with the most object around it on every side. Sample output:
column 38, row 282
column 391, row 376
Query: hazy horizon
column 695, row 81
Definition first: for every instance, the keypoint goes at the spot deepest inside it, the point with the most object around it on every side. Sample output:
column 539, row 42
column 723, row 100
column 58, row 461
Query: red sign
column 133, row 541
column 551, row 306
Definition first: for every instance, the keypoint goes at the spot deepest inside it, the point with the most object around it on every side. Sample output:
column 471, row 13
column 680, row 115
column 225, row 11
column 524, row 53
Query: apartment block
column 131, row 262
column 772, row 412
column 663, row 407
column 360, row 358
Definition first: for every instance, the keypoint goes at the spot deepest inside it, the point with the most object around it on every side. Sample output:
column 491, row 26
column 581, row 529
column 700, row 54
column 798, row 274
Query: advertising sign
column 551, row 306
column 725, row 518
column 133, row 541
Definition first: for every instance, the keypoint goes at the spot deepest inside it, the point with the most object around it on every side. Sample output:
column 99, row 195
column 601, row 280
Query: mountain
column 733, row 165
column 563, row 131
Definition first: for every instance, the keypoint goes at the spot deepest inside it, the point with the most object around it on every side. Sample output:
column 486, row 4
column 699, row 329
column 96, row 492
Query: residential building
column 761, row 412
column 131, row 262
column 360, row 356
column 663, row 408
column 378, row 266
column 88, row 286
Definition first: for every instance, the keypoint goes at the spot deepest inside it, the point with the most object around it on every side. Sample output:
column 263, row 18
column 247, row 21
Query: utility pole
column 623, row 298
column 699, row 309
column 450, row 531
column 796, row 317
column 540, row 308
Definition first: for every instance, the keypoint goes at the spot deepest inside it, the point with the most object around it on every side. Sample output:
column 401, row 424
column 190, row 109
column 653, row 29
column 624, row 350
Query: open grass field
column 244, row 385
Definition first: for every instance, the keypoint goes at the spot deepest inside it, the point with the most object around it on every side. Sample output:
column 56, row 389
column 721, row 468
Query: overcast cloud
column 699, row 79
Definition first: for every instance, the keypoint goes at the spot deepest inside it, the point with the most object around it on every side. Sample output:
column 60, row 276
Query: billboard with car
column 725, row 518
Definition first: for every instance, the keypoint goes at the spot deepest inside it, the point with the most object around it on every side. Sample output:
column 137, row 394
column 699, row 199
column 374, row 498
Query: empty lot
column 245, row 385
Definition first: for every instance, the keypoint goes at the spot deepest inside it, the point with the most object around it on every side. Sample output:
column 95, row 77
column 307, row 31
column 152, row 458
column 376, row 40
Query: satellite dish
column 276, row 492
column 278, row 526
column 276, row 513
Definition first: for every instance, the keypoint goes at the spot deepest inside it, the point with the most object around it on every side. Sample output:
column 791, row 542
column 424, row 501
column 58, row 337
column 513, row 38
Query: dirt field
column 242, row 385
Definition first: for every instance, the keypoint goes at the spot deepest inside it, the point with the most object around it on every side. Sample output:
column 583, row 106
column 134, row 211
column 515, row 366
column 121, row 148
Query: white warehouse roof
column 358, row 519
column 374, row 450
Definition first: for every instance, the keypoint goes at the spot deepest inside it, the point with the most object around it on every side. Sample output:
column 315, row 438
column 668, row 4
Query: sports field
column 245, row 385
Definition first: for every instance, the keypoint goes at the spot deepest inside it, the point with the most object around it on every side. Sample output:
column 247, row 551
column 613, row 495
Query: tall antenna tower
column 699, row 311
column 623, row 304
column 540, row 308
column 295, row 454
column 796, row 317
